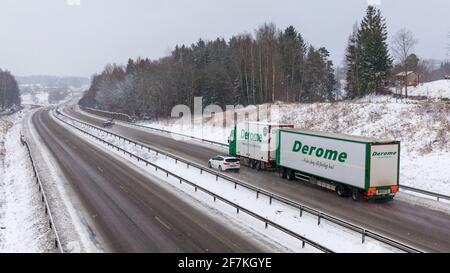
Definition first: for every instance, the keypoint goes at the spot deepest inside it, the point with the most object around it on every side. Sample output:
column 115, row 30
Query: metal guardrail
column 44, row 199
column 302, row 208
column 438, row 196
column 113, row 115
column 168, row 173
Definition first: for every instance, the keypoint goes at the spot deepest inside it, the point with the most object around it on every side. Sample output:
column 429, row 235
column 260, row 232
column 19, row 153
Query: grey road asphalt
column 417, row 226
column 129, row 211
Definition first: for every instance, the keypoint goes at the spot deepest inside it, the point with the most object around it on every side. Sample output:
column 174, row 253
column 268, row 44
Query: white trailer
column 255, row 143
column 353, row 165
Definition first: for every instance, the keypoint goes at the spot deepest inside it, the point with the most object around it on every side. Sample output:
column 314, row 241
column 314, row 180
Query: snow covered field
column 39, row 98
column 23, row 225
column 327, row 234
column 422, row 127
column 437, row 89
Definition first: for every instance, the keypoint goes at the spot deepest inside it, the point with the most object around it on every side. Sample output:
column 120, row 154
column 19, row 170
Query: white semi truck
column 350, row 165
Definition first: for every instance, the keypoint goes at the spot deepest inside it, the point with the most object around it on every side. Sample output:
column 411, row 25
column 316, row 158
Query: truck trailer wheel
column 290, row 175
column 355, row 194
column 341, row 191
column 283, row 173
column 258, row 166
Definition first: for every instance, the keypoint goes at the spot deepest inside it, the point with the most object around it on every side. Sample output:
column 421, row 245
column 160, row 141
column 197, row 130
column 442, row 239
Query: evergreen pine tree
column 368, row 59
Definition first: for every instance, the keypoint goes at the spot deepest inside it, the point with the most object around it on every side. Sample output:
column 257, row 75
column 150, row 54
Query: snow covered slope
column 23, row 225
column 436, row 89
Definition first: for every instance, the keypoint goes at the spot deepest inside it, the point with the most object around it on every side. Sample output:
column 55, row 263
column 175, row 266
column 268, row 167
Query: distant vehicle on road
column 108, row 123
column 146, row 117
column 225, row 163
column 447, row 77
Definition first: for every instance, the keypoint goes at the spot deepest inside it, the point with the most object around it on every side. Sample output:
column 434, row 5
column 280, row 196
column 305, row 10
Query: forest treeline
column 268, row 66
column 9, row 90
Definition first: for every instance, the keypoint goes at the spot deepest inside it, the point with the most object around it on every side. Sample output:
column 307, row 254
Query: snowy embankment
column 23, row 224
column 422, row 127
column 434, row 90
column 327, row 234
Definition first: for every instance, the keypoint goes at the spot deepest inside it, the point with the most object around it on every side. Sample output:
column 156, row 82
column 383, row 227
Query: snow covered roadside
column 328, row 234
column 23, row 223
column 66, row 208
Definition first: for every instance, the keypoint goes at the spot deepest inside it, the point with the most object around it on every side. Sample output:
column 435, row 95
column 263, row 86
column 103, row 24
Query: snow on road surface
column 328, row 234
column 23, row 224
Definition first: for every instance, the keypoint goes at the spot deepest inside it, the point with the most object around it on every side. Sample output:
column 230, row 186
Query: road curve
column 131, row 213
column 417, row 226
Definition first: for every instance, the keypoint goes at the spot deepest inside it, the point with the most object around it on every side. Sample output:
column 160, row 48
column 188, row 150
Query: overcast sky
column 78, row 37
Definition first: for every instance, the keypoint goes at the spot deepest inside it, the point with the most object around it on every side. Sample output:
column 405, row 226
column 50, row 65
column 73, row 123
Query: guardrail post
column 363, row 236
column 201, row 171
column 303, row 244
column 217, row 177
column 438, row 198
column 237, row 210
column 270, row 200
column 56, row 243
column 318, row 219
column 257, row 194
column 235, row 185
column 267, row 224
column 214, row 198
column 301, row 212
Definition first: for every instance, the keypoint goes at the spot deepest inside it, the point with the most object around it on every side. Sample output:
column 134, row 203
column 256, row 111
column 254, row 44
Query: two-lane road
column 415, row 225
column 130, row 212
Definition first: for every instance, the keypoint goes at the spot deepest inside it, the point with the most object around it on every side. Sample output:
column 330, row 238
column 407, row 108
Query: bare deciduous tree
column 403, row 44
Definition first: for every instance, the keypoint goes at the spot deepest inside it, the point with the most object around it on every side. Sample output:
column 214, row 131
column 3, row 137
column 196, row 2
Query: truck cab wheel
column 355, row 194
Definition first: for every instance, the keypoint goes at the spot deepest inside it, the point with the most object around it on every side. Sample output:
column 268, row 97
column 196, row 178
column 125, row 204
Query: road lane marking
column 163, row 223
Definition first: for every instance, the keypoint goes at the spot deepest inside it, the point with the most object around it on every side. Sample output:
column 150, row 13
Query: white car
column 224, row 163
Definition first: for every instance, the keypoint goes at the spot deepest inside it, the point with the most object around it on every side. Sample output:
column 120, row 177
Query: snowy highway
column 417, row 226
column 127, row 212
